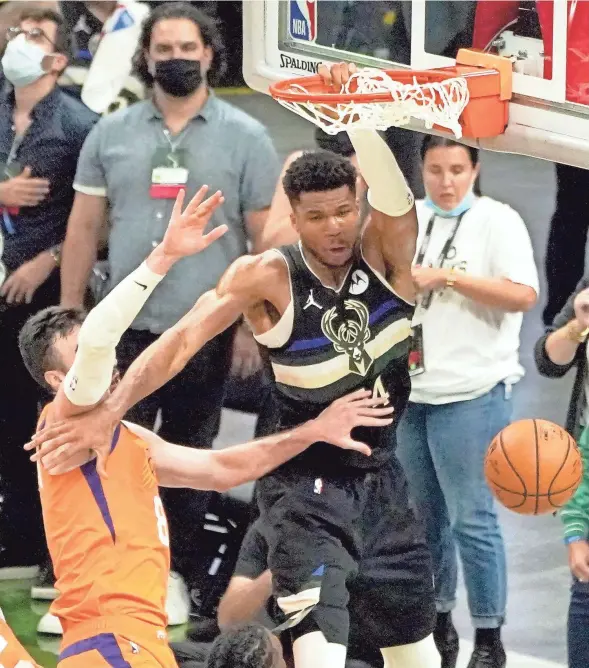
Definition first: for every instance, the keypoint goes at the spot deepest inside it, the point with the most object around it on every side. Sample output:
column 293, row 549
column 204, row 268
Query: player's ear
column 54, row 379
column 293, row 221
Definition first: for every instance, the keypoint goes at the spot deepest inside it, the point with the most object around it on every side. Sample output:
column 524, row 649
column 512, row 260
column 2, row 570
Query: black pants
column 22, row 539
column 565, row 253
column 190, row 407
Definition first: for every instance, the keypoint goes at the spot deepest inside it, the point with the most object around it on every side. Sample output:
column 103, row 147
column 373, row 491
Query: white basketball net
column 437, row 103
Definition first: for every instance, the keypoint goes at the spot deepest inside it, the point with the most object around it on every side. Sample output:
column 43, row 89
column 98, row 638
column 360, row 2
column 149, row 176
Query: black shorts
column 359, row 539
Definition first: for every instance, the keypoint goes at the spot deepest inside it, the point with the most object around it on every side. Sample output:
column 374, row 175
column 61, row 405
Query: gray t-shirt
column 224, row 148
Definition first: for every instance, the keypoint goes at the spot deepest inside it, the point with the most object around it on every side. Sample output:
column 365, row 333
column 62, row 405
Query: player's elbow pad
column 388, row 191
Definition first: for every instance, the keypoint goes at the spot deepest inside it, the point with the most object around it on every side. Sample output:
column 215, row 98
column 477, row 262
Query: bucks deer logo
column 351, row 335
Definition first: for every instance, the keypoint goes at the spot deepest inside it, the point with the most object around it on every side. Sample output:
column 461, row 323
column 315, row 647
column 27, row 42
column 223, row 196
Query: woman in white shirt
column 475, row 274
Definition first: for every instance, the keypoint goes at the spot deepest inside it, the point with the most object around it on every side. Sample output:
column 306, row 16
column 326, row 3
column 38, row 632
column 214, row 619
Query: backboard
column 548, row 41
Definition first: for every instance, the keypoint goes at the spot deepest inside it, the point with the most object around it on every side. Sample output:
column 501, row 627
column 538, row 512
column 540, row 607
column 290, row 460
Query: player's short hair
column 318, row 171
column 247, row 646
column 339, row 143
column 62, row 40
column 38, row 335
column 209, row 32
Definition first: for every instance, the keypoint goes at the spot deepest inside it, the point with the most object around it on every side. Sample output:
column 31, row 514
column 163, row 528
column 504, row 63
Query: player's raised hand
column 59, row 442
column 186, row 231
column 359, row 409
column 338, row 74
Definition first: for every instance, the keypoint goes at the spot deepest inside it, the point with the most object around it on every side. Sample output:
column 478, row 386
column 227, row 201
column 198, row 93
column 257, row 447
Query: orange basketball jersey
column 12, row 653
column 108, row 539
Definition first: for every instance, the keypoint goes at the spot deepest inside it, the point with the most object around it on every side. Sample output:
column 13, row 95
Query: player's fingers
column 325, row 74
column 101, row 458
column 356, row 396
column 214, row 234
column 57, row 456
column 371, row 402
column 337, row 74
column 177, row 208
column 358, row 446
column 13, row 293
column 371, row 411
column 363, row 421
column 209, row 205
column 345, row 72
column 47, row 447
column 197, row 200
column 43, row 436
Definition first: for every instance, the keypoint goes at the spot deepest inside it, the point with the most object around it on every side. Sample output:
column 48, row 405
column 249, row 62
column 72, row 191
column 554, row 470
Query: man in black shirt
column 41, row 133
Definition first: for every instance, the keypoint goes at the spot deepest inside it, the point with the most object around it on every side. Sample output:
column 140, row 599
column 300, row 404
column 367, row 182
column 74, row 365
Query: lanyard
column 427, row 299
column 174, row 145
column 6, row 218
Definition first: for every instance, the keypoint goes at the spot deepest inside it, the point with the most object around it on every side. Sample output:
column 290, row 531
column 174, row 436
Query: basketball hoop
column 470, row 99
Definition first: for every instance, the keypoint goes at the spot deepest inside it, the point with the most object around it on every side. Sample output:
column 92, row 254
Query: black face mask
column 178, row 77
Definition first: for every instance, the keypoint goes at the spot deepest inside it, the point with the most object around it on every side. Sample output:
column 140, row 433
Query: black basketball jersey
column 342, row 340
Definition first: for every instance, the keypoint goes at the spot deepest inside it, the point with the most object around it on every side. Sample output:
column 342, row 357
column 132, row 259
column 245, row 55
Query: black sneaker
column 489, row 656
column 43, row 588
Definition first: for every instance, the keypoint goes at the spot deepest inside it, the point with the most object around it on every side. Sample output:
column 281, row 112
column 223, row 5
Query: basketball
column 533, row 467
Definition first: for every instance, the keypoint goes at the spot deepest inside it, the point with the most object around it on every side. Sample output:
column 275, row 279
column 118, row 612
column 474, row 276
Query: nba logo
column 302, row 20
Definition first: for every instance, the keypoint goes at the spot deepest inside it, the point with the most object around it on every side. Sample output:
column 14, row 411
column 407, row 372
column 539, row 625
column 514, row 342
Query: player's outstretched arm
column 212, row 314
column 392, row 232
column 91, row 373
column 220, row 470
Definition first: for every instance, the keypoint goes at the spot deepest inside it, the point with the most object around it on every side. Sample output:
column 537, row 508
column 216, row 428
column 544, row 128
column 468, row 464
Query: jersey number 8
column 162, row 522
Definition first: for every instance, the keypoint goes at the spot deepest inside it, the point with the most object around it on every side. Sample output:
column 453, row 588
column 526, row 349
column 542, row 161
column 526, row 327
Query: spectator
column 475, row 272
column 133, row 164
column 41, row 135
column 10, row 13
column 563, row 347
column 567, row 238
column 104, row 38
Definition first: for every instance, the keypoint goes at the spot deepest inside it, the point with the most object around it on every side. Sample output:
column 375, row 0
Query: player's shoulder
column 258, row 270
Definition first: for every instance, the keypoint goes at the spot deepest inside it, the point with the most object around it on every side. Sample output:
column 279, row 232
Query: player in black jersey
column 334, row 312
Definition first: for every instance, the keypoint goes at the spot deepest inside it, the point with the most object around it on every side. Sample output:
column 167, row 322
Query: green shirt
column 575, row 514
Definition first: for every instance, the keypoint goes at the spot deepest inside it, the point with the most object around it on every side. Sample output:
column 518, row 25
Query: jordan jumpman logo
column 311, row 302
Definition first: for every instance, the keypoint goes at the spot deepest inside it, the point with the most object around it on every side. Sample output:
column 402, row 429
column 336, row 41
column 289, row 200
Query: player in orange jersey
column 107, row 534
column 12, row 653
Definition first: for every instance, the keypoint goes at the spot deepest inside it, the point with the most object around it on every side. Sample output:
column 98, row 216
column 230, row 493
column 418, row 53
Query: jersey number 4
column 378, row 391
column 162, row 522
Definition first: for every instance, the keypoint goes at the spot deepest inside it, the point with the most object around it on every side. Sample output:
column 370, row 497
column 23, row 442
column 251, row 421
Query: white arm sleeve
column 91, row 373
column 388, row 190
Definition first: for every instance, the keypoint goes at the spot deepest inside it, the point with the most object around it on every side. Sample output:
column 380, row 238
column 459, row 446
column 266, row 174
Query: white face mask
column 22, row 62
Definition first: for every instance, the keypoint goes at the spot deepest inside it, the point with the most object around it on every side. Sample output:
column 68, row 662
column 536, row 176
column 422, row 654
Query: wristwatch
column 451, row 278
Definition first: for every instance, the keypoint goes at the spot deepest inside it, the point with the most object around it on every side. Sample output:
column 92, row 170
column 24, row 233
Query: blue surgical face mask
column 22, row 62
column 464, row 205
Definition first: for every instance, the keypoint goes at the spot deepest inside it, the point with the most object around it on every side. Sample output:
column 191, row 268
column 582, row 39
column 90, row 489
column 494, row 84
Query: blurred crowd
column 108, row 110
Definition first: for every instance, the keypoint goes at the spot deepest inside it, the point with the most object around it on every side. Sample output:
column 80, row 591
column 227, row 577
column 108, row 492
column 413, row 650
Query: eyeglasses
column 35, row 35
